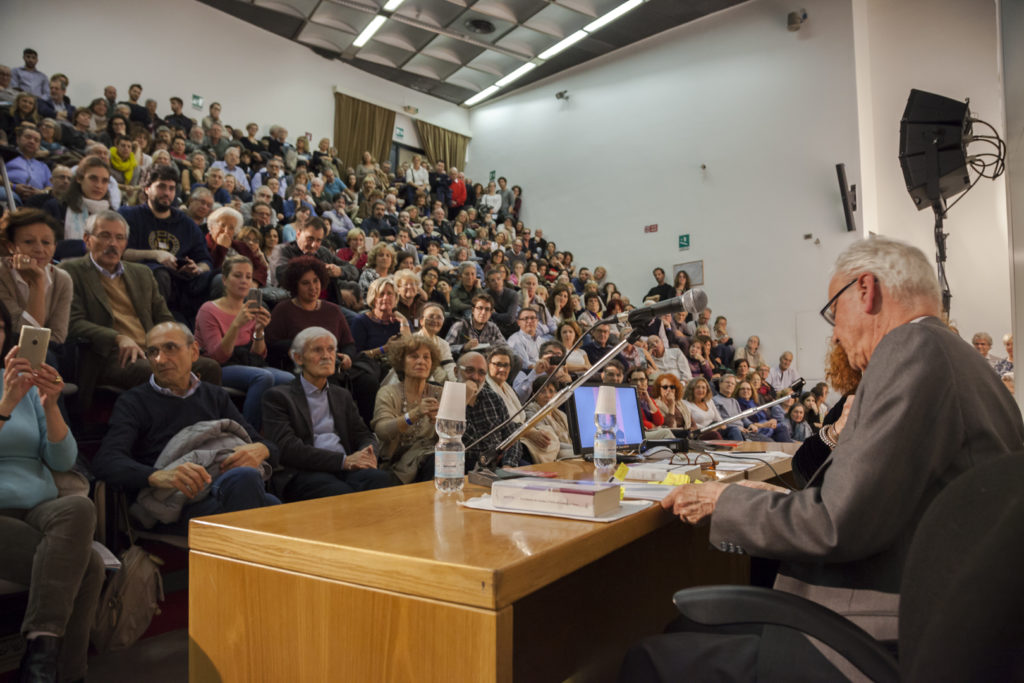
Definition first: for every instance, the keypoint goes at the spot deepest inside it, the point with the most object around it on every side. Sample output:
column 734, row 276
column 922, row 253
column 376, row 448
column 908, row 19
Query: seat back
column 961, row 599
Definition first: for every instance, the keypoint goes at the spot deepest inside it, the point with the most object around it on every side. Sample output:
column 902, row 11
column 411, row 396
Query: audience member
column 784, row 374
column 668, row 396
column 478, row 331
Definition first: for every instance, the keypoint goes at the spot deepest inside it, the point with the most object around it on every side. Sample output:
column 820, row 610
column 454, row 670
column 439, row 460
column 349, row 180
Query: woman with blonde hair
column 379, row 263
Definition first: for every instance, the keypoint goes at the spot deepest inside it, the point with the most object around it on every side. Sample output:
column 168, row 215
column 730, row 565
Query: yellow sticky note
column 676, row 479
column 621, row 472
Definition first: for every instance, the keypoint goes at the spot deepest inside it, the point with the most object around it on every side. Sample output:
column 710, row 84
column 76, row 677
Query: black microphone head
column 695, row 300
column 798, row 387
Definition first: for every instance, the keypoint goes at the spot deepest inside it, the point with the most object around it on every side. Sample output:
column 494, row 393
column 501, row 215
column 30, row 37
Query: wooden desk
column 403, row 584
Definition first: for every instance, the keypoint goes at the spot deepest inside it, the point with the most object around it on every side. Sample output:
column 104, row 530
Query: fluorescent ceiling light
column 521, row 71
column 567, row 42
column 392, row 5
column 482, row 95
column 369, row 30
column 611, row 16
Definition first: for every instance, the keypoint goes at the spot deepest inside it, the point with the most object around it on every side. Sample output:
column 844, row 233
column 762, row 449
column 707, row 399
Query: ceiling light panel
column 591, row 8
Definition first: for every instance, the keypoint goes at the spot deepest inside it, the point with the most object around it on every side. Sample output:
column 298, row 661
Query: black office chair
column 961, row 598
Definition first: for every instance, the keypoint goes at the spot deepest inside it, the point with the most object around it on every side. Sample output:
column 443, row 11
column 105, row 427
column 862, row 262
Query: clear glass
column 449, row 456
column 604, row 442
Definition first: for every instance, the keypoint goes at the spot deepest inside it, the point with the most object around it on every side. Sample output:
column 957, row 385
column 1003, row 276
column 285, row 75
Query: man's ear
column 870, row 292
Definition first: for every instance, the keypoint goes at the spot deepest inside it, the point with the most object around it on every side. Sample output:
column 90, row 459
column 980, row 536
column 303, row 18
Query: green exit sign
column 684, row 242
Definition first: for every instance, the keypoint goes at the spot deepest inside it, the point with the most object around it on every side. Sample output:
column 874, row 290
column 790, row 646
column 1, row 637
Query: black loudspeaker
column 933, row 156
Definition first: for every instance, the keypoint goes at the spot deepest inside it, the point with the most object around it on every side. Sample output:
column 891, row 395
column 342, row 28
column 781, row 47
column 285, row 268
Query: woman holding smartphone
column 230, row 330
column 46, row 538
column 32, row 289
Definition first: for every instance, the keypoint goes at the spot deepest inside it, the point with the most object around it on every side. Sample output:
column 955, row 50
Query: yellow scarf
column 125, row 166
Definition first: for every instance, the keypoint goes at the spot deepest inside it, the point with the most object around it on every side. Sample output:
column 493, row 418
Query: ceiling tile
column 298, row 8
column 430, row 67
column 403, row 36
column 526, row 41
column 495, row 63
column 471, row 79
column 557, row 21
column 341, row 18
column 515, row 11
column 452, row 50
column 434, row 12
column 591, row 8
column 325, row 37
column 387, row 55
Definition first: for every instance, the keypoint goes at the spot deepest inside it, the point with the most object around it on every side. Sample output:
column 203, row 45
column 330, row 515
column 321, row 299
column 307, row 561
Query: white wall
column 949, row 47
column 768, row 111
column 181, row 47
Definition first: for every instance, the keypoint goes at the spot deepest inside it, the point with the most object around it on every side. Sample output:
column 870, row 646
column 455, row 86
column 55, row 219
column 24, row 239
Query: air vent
column 481, row 26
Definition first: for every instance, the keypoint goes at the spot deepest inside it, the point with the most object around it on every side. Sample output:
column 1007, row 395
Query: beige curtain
column 360, row 126
column 444, row 145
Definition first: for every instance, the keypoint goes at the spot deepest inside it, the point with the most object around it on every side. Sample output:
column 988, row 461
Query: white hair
column 226, row 211
column 303, row 338
column 902, row 269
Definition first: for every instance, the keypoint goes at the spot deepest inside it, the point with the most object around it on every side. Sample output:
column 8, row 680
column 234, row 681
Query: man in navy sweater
column 147, row 417
column 170, row 243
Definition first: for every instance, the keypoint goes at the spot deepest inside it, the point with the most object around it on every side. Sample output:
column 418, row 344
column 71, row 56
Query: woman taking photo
column 404, row 413
column 231, row 331
column 355, row 252
column 46, row 538
column 32, row 289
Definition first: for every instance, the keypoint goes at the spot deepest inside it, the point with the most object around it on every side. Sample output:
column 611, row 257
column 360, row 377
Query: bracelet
column 5, row 418
column 408, row 420
column 380, row 350
column 823, row 435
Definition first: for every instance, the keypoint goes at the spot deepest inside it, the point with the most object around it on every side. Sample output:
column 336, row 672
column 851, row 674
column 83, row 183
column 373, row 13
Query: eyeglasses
column 665, row 386
column 473, row 372
column 829, row 311
column 500, row 365
column 482, row 308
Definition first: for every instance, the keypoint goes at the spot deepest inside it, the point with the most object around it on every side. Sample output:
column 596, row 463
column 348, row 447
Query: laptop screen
column 629, row 426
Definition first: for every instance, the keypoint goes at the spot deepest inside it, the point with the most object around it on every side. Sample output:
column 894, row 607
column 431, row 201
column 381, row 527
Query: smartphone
column 254, row 299
column 33, row 343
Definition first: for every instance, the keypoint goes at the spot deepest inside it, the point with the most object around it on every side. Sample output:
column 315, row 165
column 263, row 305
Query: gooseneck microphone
column 693, row 301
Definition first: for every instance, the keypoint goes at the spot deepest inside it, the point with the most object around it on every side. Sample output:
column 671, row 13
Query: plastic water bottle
column 449, row 456
column 604, row 441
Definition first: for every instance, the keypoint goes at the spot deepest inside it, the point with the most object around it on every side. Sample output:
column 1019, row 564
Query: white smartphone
column 33, row 343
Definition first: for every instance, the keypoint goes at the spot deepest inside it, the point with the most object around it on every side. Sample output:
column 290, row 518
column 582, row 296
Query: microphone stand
column 797, row 387
column 485, row 473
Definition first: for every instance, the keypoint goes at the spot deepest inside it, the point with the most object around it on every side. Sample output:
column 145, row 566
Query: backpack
column 129, row 602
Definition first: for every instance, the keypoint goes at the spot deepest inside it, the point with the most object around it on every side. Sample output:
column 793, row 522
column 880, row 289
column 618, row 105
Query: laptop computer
column 629, row 426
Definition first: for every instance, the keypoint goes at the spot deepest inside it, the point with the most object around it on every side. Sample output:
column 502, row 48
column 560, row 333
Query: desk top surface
column 412, row 539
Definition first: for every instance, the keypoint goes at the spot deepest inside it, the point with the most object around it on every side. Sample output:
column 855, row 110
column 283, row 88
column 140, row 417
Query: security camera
column 562, row 95
column 794, row 20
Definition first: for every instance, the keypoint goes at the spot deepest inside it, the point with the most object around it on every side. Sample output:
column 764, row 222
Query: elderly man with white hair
column 784, row 374
column 670, row 360
column 326, row 448
column 927, row 410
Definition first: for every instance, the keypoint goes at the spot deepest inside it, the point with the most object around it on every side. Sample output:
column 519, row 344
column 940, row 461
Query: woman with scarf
column 88, row 194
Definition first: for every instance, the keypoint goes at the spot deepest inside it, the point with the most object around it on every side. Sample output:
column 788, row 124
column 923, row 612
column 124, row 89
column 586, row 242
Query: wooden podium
column 403, row 584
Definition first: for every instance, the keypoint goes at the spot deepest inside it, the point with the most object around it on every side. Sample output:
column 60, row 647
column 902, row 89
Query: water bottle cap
column 605, row 401
column 453, row 402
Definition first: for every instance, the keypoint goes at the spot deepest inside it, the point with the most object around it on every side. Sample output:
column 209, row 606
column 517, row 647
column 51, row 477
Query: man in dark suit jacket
column 925, row 411
column 326, row 448
column 115, row 303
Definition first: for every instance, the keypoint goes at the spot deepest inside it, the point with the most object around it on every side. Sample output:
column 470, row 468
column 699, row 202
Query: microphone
column 693, row 301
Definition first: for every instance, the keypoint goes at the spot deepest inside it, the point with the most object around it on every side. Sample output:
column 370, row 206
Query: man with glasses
column 113, row 305
column 926, row 410
column 147, row 417
column 526, row 342
column 485, row 410
column 550, row 355
column 670, row 360
column 469, row 334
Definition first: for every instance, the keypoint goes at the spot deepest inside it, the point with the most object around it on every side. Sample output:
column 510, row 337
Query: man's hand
column 471, row 344
column 188, row 477
column 333, row 270
column 693, row 503
column 847, row 409
column 165, row 259
column 127, row 350
column 25, row 191
column 361, row 460
column 344, row 361
column 249, row 455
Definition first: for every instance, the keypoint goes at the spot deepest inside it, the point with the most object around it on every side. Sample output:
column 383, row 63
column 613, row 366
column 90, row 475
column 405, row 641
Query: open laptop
column 629, row 426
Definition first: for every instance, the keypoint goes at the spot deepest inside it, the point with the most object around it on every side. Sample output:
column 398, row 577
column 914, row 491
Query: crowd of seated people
column 335, row 298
